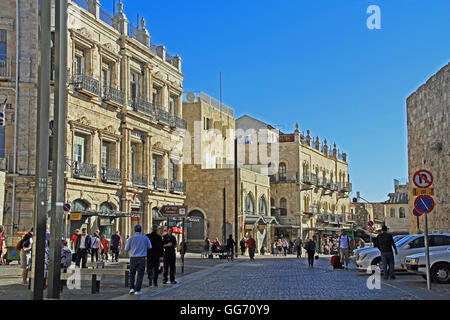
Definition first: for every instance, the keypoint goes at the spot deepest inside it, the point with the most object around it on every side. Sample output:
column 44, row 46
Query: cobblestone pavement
column 266, row 278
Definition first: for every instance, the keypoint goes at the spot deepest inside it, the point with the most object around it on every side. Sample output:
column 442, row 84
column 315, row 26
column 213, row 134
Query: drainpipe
column 15, row 118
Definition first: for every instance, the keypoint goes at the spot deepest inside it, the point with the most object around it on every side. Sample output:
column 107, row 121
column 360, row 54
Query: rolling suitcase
column 336, row 262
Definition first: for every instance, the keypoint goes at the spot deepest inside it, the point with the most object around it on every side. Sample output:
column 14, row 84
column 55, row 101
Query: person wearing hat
column 137, row 245
column 154, row 256
column 169, row 244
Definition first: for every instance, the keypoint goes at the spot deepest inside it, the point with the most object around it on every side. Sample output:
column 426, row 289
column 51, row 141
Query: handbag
column 316, row 257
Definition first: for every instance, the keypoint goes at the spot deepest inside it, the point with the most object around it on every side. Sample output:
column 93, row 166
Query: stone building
column 124, row 130
column 428, row 121
column 209, row 145
column 309, row 181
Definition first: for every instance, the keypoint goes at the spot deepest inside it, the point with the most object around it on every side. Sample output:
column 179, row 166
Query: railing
column 288, row 177
column 306, row 179
column 162, row 116
column 143, row 106
column 7, row 68
column 332, row 218
column 176, row 122
column 85, row 83
column 84, row 170
column 113, row 95
column 139, row 179
column 110, row 175
column 314, row 179
column 347, row 187
column 160, row 183
column 177, row 186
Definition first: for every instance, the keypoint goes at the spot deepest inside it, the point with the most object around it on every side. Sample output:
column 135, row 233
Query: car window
column 437, row 241
column 403, row 240
column 417, row 243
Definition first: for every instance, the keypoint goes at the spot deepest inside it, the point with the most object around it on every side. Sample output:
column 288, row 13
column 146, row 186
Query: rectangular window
column 134, row 85
column 106, row 76
column 207, row 123
column 106, row 146
column 154, row 167
column 173, row 171
column 155, row 96
column 79, row 61
column 79, row 148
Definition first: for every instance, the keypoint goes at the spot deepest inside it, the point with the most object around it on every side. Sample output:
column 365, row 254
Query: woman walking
column 25, row 255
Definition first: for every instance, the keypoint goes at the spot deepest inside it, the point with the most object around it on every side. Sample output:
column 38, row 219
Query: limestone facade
column 428, row 121
column 209, row 143
column 309, row 180
column 124, row 129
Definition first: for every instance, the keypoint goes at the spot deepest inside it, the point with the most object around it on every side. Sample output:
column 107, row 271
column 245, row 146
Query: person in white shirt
column 344, row 248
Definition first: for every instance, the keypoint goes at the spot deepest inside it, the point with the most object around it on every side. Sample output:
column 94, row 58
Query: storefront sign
column 75, row 216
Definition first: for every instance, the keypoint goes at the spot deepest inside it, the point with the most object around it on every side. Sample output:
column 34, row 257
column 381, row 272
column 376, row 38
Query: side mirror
column 407, row 247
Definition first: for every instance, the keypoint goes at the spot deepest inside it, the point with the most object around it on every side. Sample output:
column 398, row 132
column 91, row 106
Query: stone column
column 165, row 98
column 148, row 157
column 180, row 106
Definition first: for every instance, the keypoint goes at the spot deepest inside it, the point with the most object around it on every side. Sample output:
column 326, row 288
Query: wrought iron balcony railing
column 139, row 179
column 86, row 84
column 7, row 68
column 177, row 186
column 113, row 95
column 143, row 106
column 111, row 175
column 176, row 122
column 287, row 177
column 84, row 170
column 347, row 187
column 306, row 179
column 160, row 183
column 162, row 116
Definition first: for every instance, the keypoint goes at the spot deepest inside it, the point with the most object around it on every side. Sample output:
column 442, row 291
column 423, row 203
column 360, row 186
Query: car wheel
column 440, row 273
column 376, row 262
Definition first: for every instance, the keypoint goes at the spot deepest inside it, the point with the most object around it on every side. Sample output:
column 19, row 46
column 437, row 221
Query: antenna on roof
column 114, row 8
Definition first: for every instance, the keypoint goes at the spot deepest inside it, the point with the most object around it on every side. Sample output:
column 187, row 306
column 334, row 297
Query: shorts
column 25, row 260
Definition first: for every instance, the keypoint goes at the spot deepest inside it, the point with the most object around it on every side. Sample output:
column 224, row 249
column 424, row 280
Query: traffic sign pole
column 427, row 253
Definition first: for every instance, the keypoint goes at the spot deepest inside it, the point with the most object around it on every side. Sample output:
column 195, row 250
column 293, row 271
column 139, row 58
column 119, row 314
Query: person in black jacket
column 385, row 243
column 154, row 256
column 82, row 247
column 230, row 246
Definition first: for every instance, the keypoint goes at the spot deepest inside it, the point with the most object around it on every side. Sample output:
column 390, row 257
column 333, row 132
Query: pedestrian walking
column 298, row 247
column 82, row 248
column 105, row 248
column 279, row 247
column 66, row 255
column 137, row 245
column 116, row 245
column 25, row 245
column 385, row 242
column 344, row 248
column 251, row 245
column 3, row 247
column 243, row 245
column 285, row 247
column 169, row 244
column 154, row 256
column 311, row 249
column 96, row 246
column 230, row 246
column 74, row 238
column 274, row 248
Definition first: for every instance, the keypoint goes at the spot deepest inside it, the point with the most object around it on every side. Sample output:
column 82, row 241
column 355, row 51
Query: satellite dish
column 190, row 97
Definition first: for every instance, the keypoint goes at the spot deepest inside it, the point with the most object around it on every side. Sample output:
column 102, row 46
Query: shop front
column 260, row 228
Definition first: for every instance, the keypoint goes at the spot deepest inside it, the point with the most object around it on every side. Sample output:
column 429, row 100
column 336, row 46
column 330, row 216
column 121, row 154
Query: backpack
column 19, row 245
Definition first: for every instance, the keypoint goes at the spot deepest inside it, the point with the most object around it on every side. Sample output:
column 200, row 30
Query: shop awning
column 260, row 220
column 108, row 214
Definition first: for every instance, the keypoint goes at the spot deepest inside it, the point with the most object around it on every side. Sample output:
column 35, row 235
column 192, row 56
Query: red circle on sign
column 424, row 211
column 418, row 174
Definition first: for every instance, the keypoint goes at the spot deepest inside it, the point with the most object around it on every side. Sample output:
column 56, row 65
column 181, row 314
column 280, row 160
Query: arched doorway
column 78, row 206
column 197, row 229
column 105, row 224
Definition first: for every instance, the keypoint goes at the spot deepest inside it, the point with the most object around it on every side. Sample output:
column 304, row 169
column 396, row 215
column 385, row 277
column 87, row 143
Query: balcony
column 141, row 105
column 306, row 179
column 110, row 175
column 162, row 116
column 177, row 187
column 176, row 122
column 347, row 187
column 83, row 170
column 333, row 218
column 7, row 69
column 114, row 96
column 86, row 84
column 160, row 184
column 288, row 177
column 314, row 179
column 140, row 180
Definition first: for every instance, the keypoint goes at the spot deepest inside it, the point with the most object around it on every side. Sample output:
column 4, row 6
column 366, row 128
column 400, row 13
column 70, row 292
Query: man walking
column 385, row 243
column 230, row 246
column 251, row 245
column 344, row 248
column 169, row 244
column 137, row 245
column 311, row 249
column 298, row 247
column 82, row 246
column 153, row 256
column 116, row 245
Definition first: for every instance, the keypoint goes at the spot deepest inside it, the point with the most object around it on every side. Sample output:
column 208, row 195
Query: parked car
column 439, row 265
column 358, row 252
column 406, row 246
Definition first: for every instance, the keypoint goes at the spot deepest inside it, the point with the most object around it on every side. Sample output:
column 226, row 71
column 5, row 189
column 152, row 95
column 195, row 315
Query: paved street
column 266, row 278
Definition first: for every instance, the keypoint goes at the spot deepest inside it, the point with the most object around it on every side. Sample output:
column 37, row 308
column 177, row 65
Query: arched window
column 392, row 212
column 197, row 229
column 249, row 205
column 79, row 206
column 282, row 171
column 262, row 206
column 402, row 213
column 283, row 207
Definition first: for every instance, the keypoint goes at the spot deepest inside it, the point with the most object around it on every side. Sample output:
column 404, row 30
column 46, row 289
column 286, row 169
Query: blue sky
column 312, row 62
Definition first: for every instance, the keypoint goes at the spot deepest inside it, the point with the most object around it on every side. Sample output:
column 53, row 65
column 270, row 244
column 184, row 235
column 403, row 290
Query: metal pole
column 42, row 142
column 236, row 222
column 182, row 247
column 427, row 253
column 224, row 217
column 58, row 149
column 418, row 223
